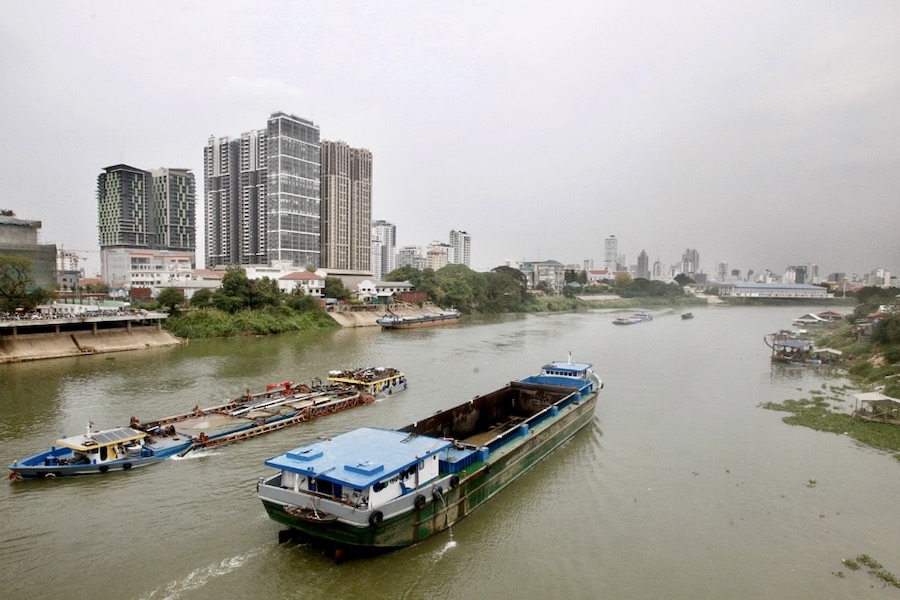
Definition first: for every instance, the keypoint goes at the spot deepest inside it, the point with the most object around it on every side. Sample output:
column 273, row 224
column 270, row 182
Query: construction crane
column 70, row 260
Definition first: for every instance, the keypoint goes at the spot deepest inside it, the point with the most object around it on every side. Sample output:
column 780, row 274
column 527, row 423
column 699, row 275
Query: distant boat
column 394, row 321
column 633, row 319
column 687, row 315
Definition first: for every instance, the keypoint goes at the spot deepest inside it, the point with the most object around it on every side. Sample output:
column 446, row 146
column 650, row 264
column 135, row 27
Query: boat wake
column 443, row 549
column 200, row 577
column 196, row 454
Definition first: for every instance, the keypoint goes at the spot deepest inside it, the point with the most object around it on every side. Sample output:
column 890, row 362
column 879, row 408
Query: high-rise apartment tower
column 346, row 207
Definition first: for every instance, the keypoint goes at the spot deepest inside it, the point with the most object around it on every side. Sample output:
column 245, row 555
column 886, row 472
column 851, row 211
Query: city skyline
column 762, row 135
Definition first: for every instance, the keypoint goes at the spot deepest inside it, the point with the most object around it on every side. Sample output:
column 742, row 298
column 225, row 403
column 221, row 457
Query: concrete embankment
column 50, row 345
column 348, row 317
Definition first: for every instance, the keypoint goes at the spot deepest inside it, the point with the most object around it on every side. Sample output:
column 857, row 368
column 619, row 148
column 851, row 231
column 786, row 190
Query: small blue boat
column 106, row 451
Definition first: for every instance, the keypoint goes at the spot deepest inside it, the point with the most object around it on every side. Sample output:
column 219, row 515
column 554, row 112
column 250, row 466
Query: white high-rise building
column 384, row 244
column 461, row 245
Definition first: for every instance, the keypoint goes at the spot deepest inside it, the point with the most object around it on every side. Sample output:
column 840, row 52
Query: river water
column 683, row 487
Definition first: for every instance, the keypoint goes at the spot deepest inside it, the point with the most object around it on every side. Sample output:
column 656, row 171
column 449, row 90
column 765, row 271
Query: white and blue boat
column 106, row 451
column 633, row 319
column 373, row 488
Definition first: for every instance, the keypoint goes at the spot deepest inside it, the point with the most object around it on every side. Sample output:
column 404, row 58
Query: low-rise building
column 311, row 283
column 742, row 289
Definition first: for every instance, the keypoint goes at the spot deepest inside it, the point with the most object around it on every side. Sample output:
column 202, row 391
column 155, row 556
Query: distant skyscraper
column 722, row 271
column 384, row 244
column 292, row 194
column 643, row 265
column 410, row 256
column 262, row 195
column 346, row 207
column 610, row 253
column 461, row 244
column 235, row 172
column 174, row 208
column 690, row 262
column 123, row 207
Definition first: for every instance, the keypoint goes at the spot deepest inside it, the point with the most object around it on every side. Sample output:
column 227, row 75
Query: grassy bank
column 212, row 323
column 868, row 366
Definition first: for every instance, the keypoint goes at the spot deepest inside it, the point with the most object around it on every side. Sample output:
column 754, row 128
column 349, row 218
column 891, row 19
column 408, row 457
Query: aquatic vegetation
column 875, row 569
column 816, row 413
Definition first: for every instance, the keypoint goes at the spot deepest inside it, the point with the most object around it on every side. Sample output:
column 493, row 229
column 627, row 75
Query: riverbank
column 40, row 346
column 367, row 316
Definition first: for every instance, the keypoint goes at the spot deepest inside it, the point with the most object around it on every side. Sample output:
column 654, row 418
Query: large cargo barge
column 377, row 488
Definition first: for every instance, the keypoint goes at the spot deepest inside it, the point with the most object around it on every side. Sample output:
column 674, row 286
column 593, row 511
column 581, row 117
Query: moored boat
column 792, row 348
column 375, row 381
column 375, row 488
column 394, row 321
column 633, row 319
column 96, row 452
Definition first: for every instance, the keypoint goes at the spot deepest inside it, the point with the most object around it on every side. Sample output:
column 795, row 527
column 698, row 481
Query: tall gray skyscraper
column 293, row 195
column 262, row 195
column 643, row 265
column 346, row 207
column 611, row 253
column 690, row 262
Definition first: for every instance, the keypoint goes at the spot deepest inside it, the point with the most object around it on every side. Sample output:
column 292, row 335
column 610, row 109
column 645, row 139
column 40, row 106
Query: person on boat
column 135, row 423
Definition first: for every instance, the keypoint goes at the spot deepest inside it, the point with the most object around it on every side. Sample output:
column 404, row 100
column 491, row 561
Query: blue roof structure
column 571, row 367
column 360, row 457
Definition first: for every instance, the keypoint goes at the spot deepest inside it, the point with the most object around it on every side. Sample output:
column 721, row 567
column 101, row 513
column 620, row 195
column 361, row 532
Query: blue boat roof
column 360, row 457
column 567, row 366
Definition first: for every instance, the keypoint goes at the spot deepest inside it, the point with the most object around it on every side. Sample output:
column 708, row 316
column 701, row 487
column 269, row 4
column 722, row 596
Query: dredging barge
column 380, row 489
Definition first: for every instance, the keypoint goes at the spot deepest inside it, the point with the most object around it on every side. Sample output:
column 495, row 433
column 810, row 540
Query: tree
column 335, row 288
column 301, row 302
column 170, row 298
column 264, row 292
column 202, row 298
column 235, row 291
column 457, row 284
column 15, row 279
column 682, row 279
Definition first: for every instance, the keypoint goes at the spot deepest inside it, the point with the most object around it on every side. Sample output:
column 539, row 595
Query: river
column 683, row 487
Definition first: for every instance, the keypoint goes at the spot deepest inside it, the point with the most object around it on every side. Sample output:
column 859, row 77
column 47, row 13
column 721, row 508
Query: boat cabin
column 364, row 468
column 99, row 447
column 373, row 381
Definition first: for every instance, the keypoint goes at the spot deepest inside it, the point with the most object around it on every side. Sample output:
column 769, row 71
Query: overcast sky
column 764, row 134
